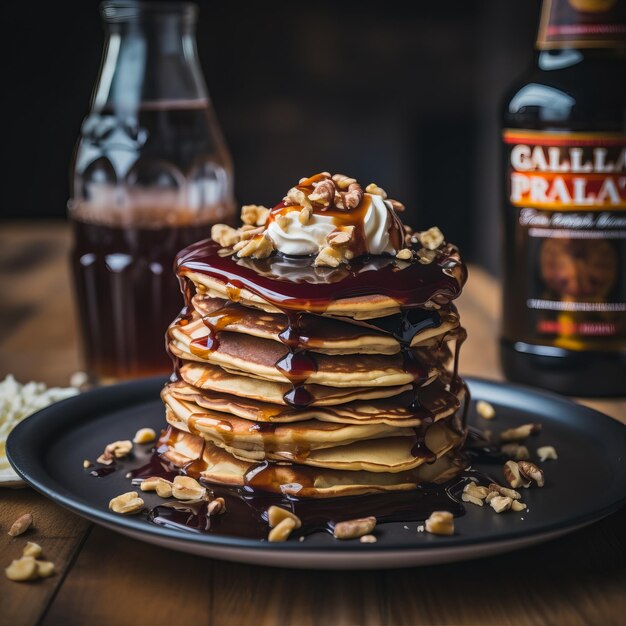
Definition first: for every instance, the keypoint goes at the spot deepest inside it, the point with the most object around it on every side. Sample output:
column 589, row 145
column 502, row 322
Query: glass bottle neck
column 150, row 61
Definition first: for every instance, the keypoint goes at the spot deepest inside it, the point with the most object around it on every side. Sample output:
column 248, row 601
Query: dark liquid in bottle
column 573, row 350
column 146, row 184
column 127, row 295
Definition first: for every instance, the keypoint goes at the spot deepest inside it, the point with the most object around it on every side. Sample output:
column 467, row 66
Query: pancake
column 213, row 378
column 392, row 454
column 295, row 437
column 317, row 333
column 434, row 402
column 259, row 358
column 211, row 268
column 214, row 465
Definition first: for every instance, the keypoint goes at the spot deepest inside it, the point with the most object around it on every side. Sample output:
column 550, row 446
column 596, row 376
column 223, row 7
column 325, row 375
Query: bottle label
column 567, row 198
column 582, row 24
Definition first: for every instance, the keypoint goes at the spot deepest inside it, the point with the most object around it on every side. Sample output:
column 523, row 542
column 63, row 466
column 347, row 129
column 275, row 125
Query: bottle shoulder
column 588, row 95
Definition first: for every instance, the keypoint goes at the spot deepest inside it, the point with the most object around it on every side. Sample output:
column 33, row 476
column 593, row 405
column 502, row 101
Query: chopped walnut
column 398, row 207
column 328, row 256
column 283, row 222
column 296, row 196
column 144, row 435
column 440, row 523
column 127, row 503
column 254, row 214
column 342, row 181
column 187, row 488
column 515, row 451
column 282, row 530
column 425, row 256
column 354, row 528
column 21, row 525
column 547, row 452
column 260, row 247
column 276, row 514
column 324, row 192
column 517, row 506
column 485, row 410
column 224, row 235
column 431, row 239
column 304, row 217
column 504, row 491
column 501, row 503
column 340, row 236
column 368, row 539
column 520, row 433
column 404, row 255
column 352, row 198
column 512, row 474
column 375, row 190
column 532, row 472
column 249, row 233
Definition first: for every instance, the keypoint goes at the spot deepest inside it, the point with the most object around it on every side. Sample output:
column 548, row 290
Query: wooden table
column 105, row 578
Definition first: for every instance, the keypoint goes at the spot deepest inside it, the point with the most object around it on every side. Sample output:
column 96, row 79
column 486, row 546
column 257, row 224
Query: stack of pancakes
column 348, row 395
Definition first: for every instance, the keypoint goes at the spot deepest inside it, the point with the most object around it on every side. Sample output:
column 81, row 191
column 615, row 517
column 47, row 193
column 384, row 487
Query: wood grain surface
column 105, row 578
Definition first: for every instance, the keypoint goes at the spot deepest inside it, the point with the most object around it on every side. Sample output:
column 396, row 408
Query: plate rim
column 142, row 388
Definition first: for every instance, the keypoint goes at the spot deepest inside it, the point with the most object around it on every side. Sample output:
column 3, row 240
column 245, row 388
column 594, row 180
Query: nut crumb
column 404, row 255
column 431, row 239
column 504, row 491
column 440, row 523
column 342, row 181
column 225, row 235
column 87, row 464
column 420, row 528
column 187, row 488
column 485, row 410
column 520, row 433
column 21, row 525
column 368, row 539
column 282, row 530
column 276, row 514
column 354, row 528
column 144, row 435
column 45, row 569
column 304, row 217
column 216, row 507
column 32, row 549
column 532, row 472
column 398, row 207
column 517, row 506
column 340, row 236
column 328, row 256
column 324, row 192
column 254, row 214
column 546, row 453
column 128, row 503
column 375, row 190
column 512, row 474
column 501, row 503
column 260, row 247
column 22, row 569
column 515, row 451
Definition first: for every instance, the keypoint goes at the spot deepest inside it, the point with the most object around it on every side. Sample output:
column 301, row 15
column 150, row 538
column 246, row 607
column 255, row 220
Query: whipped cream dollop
column 293, row 237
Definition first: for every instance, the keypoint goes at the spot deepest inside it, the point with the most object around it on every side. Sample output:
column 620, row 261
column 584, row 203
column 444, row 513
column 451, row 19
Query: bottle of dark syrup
column 151, row 174
column 564, row 137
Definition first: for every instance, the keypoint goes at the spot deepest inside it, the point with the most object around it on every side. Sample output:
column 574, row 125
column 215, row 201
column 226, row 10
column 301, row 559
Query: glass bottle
column 151, row 174
column 564, row 287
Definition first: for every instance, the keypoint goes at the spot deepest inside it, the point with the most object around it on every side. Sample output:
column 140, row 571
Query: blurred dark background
column 403, row 94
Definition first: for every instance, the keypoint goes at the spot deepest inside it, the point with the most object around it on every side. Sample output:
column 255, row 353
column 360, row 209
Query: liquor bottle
column 564, row 139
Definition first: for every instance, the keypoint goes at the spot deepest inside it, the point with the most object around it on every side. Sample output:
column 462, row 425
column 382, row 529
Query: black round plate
column 586, row 483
